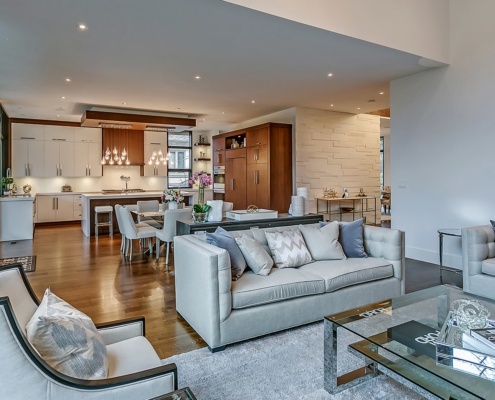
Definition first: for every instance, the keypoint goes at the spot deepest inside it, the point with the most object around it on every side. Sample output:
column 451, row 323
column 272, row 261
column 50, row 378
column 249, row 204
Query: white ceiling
column 147, row 53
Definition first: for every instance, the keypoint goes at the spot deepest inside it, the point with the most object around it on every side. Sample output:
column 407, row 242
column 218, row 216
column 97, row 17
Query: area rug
column 28, row 262
column 286, row 365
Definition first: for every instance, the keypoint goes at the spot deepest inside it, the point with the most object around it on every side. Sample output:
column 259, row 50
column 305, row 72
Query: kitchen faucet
column 126, row 179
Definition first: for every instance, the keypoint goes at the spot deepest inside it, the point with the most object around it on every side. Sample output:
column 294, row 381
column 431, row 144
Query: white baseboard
column 449, row 260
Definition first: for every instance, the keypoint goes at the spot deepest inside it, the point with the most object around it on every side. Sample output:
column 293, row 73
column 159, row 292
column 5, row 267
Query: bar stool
column 104, row 210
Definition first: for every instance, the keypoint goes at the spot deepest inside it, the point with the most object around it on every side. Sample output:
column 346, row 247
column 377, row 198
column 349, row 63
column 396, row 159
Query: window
column 179, row 163
column 382, row 167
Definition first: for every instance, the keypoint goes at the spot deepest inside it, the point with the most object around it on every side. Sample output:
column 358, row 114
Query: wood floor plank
column 94, row 277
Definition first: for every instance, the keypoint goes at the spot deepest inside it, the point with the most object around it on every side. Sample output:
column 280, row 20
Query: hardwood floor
column 94, row 277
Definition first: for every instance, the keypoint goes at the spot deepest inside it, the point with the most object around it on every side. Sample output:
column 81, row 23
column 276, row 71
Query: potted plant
column 173, row 197
column 6, row 182
column 202, row 179
column 200, row 212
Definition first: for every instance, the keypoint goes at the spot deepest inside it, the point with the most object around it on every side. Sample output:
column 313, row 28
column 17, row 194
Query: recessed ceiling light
column 253, row 101
column 58, row 115
column 331, row 105
column 203, row 120
column 68, row 79
column 63, row 97
column 124, row 103
column 223, row 112
column 381, row 93
column 82, row 27
column 330, row 74
column 197, row 77
column 359, row 108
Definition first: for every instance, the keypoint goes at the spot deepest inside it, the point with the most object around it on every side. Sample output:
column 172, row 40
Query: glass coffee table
column 406, row 352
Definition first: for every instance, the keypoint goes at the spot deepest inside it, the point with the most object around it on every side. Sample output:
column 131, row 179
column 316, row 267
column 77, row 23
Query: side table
column 441, row 233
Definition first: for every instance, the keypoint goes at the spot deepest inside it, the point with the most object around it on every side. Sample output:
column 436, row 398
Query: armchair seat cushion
column 131, row 356
column 282, row 284
column 488, row 266
column 338, row 274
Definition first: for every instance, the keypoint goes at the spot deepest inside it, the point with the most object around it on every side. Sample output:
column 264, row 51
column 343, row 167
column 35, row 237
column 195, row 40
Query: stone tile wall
column 337, row 150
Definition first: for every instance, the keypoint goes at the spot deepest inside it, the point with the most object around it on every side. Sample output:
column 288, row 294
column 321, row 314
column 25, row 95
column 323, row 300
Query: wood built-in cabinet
column 259, row 171
column 130, row 140
column 218, row 150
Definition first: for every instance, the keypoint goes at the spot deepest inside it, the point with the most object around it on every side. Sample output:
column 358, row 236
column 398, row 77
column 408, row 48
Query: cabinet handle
column 27, row 138
column 60, row 173
column 26, row 169
column 257, row 177
column 60, row 140
column 256, row 154
column 232, row 184
column 53, row 203
column 57, row 203
column 89, row 169
column 29, row 170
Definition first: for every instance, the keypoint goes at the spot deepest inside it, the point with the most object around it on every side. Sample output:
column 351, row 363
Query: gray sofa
column 478, row 260
column 223, row 311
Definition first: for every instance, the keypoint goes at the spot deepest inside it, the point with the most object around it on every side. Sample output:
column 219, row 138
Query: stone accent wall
column 337, row 150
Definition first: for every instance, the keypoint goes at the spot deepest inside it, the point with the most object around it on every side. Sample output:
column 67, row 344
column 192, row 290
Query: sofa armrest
column 478, row 244
column 116, row 331
column 388, row 244
column 202, row 286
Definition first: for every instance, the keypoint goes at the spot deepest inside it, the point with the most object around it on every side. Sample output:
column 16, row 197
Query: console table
column 355, row 206
column 190, row 227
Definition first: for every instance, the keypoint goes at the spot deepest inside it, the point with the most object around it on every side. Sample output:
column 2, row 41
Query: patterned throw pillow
column 288, row 249
column 67, row 339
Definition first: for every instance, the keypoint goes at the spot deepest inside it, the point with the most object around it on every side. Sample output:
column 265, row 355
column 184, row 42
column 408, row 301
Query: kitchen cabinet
column 131, row 140
column 154, row 141
column 87, row 152
column 51, row 208
column 59, row 158
column 266, row 163
column 27, row 150
column 235, row 181
column 218, row 151
column 77, row 207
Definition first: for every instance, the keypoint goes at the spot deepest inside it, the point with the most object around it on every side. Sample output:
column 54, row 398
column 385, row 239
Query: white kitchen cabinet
column 154, row 141
column 77, row 207
column 59, row 158
column 27, row 150
column 55, row 208
column 87, row 152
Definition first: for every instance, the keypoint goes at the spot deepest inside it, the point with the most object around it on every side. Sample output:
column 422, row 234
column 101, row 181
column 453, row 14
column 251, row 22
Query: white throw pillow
column 288, row 249
column 256, row 256
column 323, row 243
column 67, row 339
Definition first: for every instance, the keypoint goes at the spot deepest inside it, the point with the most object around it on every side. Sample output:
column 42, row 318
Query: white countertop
column 17, row 198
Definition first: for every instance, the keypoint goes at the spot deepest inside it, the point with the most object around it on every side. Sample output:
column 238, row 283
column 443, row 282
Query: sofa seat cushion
column 130, row 356
column 341, row 273
column 282, row 284
column 488, row 266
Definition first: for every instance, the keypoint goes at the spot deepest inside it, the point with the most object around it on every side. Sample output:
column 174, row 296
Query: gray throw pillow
column 351, row 238
column 256, row 256
column 288, row 249
column 323, row 243
column 493, row 224
column 221, row 238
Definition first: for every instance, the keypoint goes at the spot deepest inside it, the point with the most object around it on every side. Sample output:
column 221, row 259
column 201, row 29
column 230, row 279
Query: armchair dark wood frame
column 68, row 380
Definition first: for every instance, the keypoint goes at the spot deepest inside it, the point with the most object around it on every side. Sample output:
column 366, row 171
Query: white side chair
column 121, row 228
column 132, row 231
column 138, row 372
column 167, row 233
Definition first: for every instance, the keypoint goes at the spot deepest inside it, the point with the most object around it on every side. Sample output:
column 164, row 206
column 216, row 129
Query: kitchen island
column 16, row 218
column 91, row 200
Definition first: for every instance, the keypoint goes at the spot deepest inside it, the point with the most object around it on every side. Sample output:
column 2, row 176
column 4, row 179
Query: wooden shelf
column 202, row 144
column 202, row 159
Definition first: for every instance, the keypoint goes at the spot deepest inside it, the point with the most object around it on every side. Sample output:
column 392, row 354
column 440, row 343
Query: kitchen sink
column 117, row 191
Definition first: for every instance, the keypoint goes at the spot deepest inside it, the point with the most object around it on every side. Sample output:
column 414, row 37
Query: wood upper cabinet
column 131, row 140
column 266, row 164
column 218, row 150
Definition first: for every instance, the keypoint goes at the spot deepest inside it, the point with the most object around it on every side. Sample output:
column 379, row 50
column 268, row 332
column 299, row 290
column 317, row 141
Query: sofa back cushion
column 323, row 243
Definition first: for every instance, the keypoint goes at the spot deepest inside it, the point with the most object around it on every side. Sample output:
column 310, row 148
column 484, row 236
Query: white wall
column 442, row 136
column 415, row 26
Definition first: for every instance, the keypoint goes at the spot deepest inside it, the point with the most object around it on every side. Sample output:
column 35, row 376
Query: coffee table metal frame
column 426, row 378
column 453, row 232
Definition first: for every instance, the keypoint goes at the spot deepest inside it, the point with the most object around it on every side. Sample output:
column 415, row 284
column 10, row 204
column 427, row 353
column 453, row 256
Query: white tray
column 243, row 215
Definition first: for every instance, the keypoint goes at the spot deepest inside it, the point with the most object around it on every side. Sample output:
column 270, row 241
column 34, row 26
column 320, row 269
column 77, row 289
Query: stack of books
column 482, row 340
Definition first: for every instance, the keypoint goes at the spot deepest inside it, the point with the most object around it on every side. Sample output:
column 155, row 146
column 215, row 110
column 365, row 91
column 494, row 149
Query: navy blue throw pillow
column 493, row 224
column 221, row 238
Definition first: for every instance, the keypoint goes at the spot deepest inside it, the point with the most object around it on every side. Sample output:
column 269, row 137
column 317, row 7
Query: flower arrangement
column 202, row 179
column 172, row 195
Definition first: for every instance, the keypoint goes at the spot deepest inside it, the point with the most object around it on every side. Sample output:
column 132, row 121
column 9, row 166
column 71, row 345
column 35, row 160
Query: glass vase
column 201, row 195
column 199, row 217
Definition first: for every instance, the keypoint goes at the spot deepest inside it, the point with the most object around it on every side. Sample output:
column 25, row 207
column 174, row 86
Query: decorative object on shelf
column 200, row 211
column 66, row 188
column 26, row 189
column 346, row 193
column 202, row 179
column 297, row 206
column 329, row 193
column 115, row 157
column 361, row 193
column 14, row 188
column 470, row 314
column 7, row 181
column 201, row 139
column 304, row 192
column 252, row 209
column 158, row 157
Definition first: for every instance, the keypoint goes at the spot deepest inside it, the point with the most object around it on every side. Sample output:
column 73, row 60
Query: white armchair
column 135, row 370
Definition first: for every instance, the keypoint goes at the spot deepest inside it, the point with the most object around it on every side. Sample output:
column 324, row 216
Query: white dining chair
column 169, row 230
column 133, row 231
